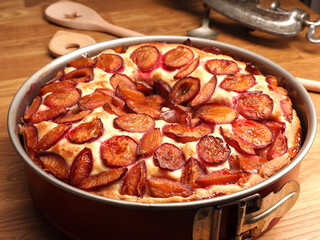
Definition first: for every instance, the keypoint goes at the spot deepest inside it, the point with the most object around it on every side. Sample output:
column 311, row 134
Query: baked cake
column 159, row 122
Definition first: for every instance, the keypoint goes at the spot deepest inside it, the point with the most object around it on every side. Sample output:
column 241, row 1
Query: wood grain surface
column 24, row 38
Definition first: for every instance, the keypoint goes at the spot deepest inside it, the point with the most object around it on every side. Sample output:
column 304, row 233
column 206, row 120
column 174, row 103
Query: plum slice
column 30, row 137
column 169, row 157
column 65, row 97
column 251, row 164
column 215, row 113
column 102, row 179
column 222, row 66
column 135, row 180
column 72, row 116
column 145, row 57
column 254, row 105
column 54, row 164
column 81, row 167
column 144, row 87
column 52, row 137
column 155, row 100
column 81, row 75
column 113, row 109
column 56, row 85
column 83, row 63
column 238, row 82
column 109, row 62
column 278, row 147
column 149, row 142
column 170, row 116
column 123, row 80
column 86, row 132
column 47, row 114
column 133, row 122
column 162, row 88
column 187, row 69
column 129, row 94
column 286, row 106
column 184, row 90
column 164, row 188
column 257, row 135
column 192, row 171
column 145, row 108
column 119, row 151
column 220, row 177
column 30, row 111
column 252, row 69
column 93, row 100
column 205, row 93
column 178, row 57
column 213, row 150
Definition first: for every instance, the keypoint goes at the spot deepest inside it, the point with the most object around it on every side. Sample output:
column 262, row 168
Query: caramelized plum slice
column 162, row 88
column 93, row 100
column 222, row 67
column 81, row 75
column 251, row 164
column 170, row 116
column 215, row 113
column 272, row 80
column 119, row 151
column 86, row 132
column 149, row 142
column 254, row 105
column 46, row 115
column 81, row 167
column 30, row 111
column 129, row 94
column 145, row 57
column 109, row 62
column 238, row 82
column 65, row 97
column 155, row 100
column 278, row 147
column 192, row 171
column 212, row 50
column 133, row 122
column 220, row 177
column 187, row 69
column 205, row 93
column 169, row 157
column 103, row 179
column 122, row 80
column 184, row 90
column 286, row 106
column 53, row 136
column 257, row 135
column 144, row 108
column 134, row 183
column 113, row 109
column 164, row 188
column 144, row 87
column 54, row 86
column 82, row 63
column 178, row 57
column 252, row 69
column 72, row 116
column 54, row 164
column 213, row 149
column 30, row 136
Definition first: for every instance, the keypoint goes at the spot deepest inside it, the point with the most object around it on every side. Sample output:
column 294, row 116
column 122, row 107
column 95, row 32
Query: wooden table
column 24, row 37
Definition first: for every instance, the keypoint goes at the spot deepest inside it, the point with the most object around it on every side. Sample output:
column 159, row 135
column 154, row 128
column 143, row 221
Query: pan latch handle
column 253, row 214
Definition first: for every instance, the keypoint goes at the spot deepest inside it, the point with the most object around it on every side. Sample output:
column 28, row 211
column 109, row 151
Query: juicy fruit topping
column 145, row 108
column 82, row 63
column 48, row 140
column 102, row 179
column 30, row 111
column 169, row 157
column 164, row 188
column 46, row 115
column 188, row 69
column 72, row 116
column 133, row 122
column 30, row 136
column 149, row 142
column 212, row 50
column 65, row 97
column 119, row 151
column 278, row 147
column 178, row 57
column 185, row 90
column 205, row 93
column 86, row 132
column 54, row 86
column 81, row 167
column 170, row 116
column 145, row 57
column 54, row 164
column 93, row 100
column 215, row 113
column 222, row 66
column 144, row 87
column 213, row 149
column 113, row 109
column 122, row 80
column 238, row 82
column 257, row 135
column 192, row 171
column 81, row 75
column 251, row 164
column 134, row 183
column 254, row 105
column 162, row 88
column 155, row 100
column 220, row 177
column 183, row 133
column 109, row 62
column 286, row 106
column 251, row 69
column 129, row 94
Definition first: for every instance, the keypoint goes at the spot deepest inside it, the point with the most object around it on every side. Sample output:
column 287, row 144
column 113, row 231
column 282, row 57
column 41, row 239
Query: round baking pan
column 83, row 215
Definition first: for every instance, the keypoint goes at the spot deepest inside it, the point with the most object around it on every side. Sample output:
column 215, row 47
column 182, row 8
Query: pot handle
column 253, row 214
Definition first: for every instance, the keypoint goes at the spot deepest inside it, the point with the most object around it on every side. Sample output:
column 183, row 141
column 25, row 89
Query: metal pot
column 241, row 215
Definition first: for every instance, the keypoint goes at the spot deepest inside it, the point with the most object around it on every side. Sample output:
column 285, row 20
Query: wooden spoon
column 77, row 16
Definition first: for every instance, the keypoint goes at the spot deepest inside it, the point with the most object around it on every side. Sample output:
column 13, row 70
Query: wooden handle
column 117, row 30
column 311, row 85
